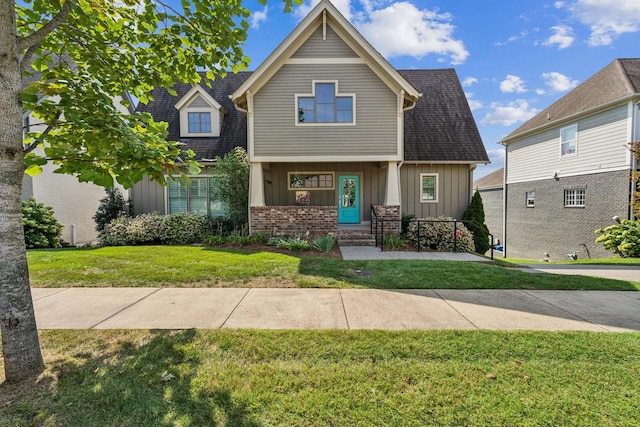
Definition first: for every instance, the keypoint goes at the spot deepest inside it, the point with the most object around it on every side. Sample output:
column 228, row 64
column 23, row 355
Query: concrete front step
column 356, row 242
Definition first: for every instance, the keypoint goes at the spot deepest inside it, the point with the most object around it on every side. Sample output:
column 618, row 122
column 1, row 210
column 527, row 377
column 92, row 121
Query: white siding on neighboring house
column 276, row 135
column 601, row 146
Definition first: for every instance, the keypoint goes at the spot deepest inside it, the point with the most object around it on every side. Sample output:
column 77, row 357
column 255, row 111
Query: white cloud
column 258, row 17
column 468, row 81
column 403, row 29
column 607, row 19
column 473, row 103
column 506, row 115
column 563, row 37
column 512, row 84
column 558, row 82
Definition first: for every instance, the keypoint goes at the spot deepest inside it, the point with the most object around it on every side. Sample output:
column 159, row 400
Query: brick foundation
column 391, row 217
column 294, row 220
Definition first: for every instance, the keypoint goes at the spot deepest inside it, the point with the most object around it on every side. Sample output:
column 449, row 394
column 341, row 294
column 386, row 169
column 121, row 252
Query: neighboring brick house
column 491, row 190
column 331, row 130
column 568, row 168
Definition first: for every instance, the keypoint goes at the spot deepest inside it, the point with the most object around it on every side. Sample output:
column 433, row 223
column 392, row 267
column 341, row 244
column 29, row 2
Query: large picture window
column 199, row 196
column 568, row 141
column 429, row 187
column 325, row 105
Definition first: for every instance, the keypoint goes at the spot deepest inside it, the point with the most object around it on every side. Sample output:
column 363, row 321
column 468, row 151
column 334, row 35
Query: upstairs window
column 200, row 122
column 531, row 199
column 325, row 105
column 568, row 141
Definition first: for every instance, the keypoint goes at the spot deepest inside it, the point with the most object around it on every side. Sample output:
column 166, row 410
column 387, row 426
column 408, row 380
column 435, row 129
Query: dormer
column 200, row 114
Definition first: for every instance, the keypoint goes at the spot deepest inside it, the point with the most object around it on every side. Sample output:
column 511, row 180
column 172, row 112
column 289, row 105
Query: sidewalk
column 215, row 308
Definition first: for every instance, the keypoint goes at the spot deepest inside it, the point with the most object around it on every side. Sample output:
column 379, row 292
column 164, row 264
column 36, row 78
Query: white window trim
column 437, row 189
column 166, row 190
column 313, row 95
column 584, row 198
column 575, row 153
column 528, row 199
column 333, row 180
column 215, row 110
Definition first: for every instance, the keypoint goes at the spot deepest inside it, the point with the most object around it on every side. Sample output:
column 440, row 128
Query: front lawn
column 329, row 378
column 192, row 266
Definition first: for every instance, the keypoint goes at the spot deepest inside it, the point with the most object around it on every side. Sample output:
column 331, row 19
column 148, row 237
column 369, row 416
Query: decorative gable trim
column 192, row 94
column 198, row 102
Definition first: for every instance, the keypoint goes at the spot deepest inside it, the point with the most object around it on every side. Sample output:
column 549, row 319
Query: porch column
column 392, row 191
column 256, row 185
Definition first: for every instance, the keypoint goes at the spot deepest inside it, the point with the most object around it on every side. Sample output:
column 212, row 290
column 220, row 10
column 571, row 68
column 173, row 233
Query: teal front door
column 349, row 199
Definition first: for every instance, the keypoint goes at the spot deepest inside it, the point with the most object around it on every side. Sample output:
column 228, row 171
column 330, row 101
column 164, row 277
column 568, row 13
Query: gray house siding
column 148, row 197
column 372, row 184
column 332, row 47
column 550, row 228
column 454, row 190
column 492, row 201
column 275, row 130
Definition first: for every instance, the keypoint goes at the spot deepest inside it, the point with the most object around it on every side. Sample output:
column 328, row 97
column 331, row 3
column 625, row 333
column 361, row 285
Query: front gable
column 200, row 114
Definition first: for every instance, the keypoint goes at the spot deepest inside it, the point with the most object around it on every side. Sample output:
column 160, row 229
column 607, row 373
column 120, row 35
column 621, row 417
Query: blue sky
column 514, row 58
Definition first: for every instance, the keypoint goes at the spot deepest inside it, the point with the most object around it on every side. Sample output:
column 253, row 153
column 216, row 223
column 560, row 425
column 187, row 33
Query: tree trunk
column 20, row 343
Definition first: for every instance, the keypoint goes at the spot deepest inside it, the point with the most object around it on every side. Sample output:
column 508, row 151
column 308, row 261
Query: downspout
column 504, row 203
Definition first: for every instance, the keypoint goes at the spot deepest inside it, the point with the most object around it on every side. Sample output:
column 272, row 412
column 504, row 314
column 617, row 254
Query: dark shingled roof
column 494, row 179
column 233, row 130
column 440, row 128
column 618, row 79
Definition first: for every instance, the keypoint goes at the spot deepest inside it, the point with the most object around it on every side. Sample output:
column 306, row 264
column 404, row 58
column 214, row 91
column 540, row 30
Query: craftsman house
column 567, row 170
column 334, row 134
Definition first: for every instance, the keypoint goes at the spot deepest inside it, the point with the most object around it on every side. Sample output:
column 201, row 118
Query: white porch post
column 392, row 191
column 256, row 185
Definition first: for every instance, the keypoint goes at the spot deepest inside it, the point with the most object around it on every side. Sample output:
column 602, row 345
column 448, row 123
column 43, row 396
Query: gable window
column 429, row 187
column 531, row 199
column 568, row 140
column 199, row 122
column 325, row 105
column 198, row 196
column 311, row 181
column 574, row 198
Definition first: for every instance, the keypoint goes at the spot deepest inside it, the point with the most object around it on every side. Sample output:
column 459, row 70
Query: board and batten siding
column 601, row 139
column 454, row 190
column 332, row 47
column 148, row 197
column 276, row 135
column 372, row 184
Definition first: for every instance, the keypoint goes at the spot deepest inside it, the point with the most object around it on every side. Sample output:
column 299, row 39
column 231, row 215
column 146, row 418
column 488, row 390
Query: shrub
column 474, row 214
column 441, row 234
column 185, row 228
column 394, row 241
column 260, row 238
column 112, row 206
column 41, row 228
column 406, row 220
column 323, row 244
column 623, row 239
column 146, row 228
column 116, row 233
column 233, row 184
column 292, row 244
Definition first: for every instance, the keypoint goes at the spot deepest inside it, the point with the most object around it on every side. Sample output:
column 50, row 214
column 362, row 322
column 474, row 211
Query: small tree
column 41, row 228
column 112, row 206
column 475, row 217
column 233, row 185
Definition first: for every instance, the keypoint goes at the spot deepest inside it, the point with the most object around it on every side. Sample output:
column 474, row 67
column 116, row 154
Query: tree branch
column 35, row 38
column 29, row 148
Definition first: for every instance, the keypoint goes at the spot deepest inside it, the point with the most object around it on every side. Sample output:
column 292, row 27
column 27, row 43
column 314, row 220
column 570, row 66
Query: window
column 199, row 196
column 429, row 185
column 325, row 105
column 311, row 181
column 531, row 199
column 568, row 140
column 199, row 122
column 574, row 198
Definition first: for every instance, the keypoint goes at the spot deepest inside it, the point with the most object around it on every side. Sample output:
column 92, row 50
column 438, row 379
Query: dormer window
column 325, row 105
column 200, row 114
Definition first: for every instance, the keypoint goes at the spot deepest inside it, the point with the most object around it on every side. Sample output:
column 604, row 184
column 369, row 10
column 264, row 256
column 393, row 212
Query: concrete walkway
column 207, row 308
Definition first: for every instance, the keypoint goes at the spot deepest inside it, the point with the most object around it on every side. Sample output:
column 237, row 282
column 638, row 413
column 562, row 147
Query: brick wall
column 550, row 228
column 294, row 220
column 391, row 215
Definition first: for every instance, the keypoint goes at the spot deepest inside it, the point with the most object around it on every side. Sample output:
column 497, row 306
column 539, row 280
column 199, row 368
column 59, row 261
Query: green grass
column 330, row 378
column 190, row 266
